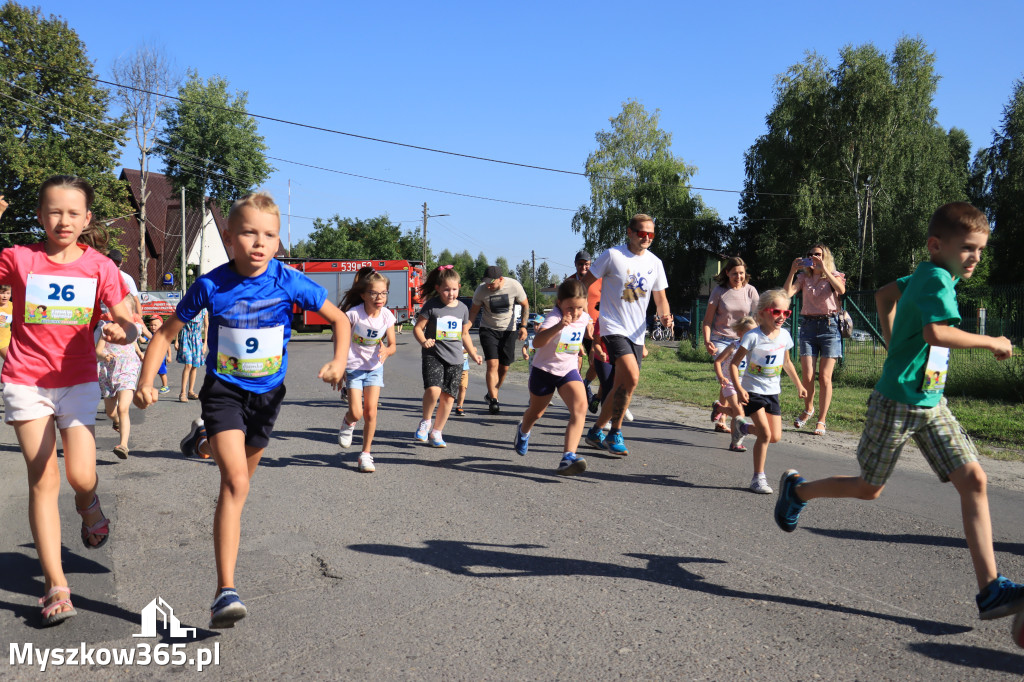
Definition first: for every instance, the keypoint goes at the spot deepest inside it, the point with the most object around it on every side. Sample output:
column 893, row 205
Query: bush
column 688, row 353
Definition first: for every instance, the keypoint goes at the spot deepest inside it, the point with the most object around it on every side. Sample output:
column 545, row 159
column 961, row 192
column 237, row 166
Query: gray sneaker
column 759, row 484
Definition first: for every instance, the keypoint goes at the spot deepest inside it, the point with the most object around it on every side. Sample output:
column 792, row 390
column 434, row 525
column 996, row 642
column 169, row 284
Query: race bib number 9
column 449, row 329
column 570, row 341
column 50, row 299
column 364, row 336
column 250, row 352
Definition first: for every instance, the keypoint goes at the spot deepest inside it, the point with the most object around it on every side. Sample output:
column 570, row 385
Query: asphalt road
column 473, row 563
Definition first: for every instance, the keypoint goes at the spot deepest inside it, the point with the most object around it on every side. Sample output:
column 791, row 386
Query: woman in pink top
column 820, row 285
column 732, row 300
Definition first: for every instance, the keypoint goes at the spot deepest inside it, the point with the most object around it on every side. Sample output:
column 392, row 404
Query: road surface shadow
column 973, row 657
column 468, row 558
column 903, row 538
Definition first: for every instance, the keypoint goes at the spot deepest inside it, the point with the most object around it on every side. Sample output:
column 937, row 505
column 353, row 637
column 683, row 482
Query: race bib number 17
column 50, row 299
column 250, row 352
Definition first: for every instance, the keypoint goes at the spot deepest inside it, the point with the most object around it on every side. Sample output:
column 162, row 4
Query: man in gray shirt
column 497, row 296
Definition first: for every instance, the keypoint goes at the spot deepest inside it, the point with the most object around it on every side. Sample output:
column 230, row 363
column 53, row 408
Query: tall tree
column 854, row 157
column 634, row 171
column 377, row 238
column 53, row 120
column 145, row 78
column 210, row 145
column 998, row 186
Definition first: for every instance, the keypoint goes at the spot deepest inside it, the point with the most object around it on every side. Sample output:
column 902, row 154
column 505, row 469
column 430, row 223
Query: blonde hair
column 257, row 201
column 639, row 219
column 827, row 262
column 766, row 299
column 743, row 324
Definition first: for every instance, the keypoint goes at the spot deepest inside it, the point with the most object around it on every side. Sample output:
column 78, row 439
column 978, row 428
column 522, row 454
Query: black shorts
column 227, row 407
column 545, row 383
column 437, row 372
column 588, row 344
column 619, row 346
column 758, row 401
column 499, row 345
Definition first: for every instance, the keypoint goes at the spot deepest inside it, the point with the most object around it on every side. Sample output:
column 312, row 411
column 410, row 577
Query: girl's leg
column 124, row 402
column 38, row 442
column 371, row 395
column 763, row 430
column 575, row 398
column 444, row 408
column 355, row 406
column 192, row 372
column 237, row 462
column 185, row 371
column 430, row 398
column 807, row 379
column 733, row 409
column 534, row 411
column 828, row 365
column 110, row 407
column 80, row 468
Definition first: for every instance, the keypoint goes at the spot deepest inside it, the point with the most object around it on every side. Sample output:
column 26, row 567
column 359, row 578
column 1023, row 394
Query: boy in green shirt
column 907, row 400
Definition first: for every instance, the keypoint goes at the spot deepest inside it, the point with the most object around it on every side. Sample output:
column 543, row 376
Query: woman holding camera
column 816, row 279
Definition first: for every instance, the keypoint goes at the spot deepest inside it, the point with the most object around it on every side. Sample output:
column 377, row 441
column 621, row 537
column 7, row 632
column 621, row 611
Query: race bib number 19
column 449, row 328
column 250, row 352
column 50, row 299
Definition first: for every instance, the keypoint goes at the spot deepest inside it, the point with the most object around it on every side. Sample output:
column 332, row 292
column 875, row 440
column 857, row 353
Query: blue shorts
column 360, row 378
column 820, row 336
column 163, row 367
column 545, row 383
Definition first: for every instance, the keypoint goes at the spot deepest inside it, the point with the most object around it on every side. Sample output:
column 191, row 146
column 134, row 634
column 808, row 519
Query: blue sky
column 530, row 82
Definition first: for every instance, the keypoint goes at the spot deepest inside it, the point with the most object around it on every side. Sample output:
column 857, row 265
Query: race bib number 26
column 50, row 299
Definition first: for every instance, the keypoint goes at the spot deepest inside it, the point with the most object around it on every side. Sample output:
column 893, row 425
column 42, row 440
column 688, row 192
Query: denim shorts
column 820, row 336
column 359, row 378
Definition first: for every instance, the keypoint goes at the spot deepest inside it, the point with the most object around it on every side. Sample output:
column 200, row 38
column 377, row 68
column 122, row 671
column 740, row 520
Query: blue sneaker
column 789, row 506
column 437, row 442
column 1001, row 597
column 616, row 445
column 595, row 438
column 422, row 430
column 522, row 443
column 571, row 465
column 227, row 609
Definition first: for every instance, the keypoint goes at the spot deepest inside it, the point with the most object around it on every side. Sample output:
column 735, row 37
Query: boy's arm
column 941, row 334
column 886, row 299
column 145, row 393
column 333, row 372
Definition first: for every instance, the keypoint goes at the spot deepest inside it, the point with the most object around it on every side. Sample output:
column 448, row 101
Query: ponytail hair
column 364, row 278
column 571, row 288
column 95, row 235
column 437, row 276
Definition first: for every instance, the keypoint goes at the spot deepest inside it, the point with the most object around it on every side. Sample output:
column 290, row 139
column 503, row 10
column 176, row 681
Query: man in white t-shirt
column 129, row 281
column 631, row 275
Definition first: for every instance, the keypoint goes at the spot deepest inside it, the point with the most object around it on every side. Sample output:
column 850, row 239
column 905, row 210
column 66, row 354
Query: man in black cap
column 582, row 262
column 497, row 296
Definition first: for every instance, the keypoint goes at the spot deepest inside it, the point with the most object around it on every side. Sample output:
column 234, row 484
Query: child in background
column 250, row 301
column 765, row 350
column 119, row 368
column 728, row 403
column 191, row 352
column 556, row 367
column 442, row 330
column 372, row 324
column 920, row 333
column 463, row 385
column 50, row 380
column 6, row 317
column 154, row 324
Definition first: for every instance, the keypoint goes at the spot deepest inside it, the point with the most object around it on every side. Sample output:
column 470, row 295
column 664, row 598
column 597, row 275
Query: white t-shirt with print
column 765, row 361
column 367, row 335
column 627, row 281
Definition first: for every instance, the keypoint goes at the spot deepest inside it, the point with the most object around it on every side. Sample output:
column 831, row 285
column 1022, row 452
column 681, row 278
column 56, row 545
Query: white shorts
column 71, row 405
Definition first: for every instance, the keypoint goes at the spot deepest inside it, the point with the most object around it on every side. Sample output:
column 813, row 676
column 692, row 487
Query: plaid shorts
column 942, row 440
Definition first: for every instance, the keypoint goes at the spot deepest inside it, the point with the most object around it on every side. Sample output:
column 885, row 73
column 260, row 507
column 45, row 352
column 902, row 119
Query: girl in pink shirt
column 555, row 367
column 50, row 380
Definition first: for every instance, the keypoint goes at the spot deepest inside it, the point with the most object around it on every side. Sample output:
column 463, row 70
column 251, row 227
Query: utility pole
column 533, row 259
column 864, row 230
column 424, row 234
column 184, row 271
column 289, row 217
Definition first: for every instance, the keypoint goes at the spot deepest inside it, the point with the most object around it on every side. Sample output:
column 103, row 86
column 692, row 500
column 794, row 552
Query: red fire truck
column 406, row 276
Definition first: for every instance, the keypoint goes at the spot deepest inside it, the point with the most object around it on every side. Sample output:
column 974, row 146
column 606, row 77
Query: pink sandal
column 50, row 614
column 100, row 529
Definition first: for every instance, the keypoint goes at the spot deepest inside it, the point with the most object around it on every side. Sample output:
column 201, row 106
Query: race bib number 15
column 50, row 299
column 250, row 352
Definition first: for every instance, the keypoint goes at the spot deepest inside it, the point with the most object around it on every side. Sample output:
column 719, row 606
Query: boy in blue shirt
column 907, row 400
column 250, row 301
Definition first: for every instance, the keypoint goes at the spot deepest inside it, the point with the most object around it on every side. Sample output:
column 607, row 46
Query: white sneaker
column 422, row 430
column 628, row 415
column 759, row 484
column 366, row 463
column 345, row 434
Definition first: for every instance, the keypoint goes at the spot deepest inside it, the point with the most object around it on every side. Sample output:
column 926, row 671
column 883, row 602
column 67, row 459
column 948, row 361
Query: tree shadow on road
column 917, row 539
column 971, row 657
column 474, row 559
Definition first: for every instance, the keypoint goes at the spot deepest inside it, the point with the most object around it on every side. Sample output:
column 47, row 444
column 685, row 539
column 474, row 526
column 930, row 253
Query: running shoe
column 366, row 463
column 745, row 425
column 459, row 412
column 615, row 444
column 227, row 609
column 627, row 415
column 789, row 506
column 759, row 484
column 494, row 407
column 422, row 430
column 571, row 465
column 345, row 434
column 522, row 442
column 437, row 442
column 595, row 438
column 190, row 443
column 1018, row 629
column 736, row 440
column 593, row 402
column 716, row 411
column 1001, row 597
column 165, row 389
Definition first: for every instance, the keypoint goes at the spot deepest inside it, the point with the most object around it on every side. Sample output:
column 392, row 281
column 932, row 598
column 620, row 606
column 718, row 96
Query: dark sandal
column 117, row 426
column 51, row 616
column 121, row 451
column 100, row 529
column 193, row 396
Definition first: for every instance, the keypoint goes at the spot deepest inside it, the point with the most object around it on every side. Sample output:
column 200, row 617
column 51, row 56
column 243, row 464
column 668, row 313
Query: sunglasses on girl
column 778, row 312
